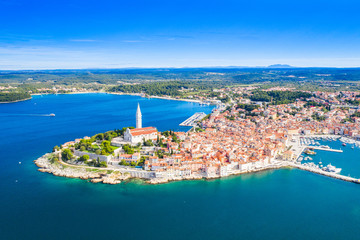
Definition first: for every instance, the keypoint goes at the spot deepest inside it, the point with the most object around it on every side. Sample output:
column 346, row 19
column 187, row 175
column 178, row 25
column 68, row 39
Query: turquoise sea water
column 281, row 204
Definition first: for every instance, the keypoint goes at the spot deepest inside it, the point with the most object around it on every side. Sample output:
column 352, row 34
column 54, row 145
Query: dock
column 191, row 121
column 325, row 149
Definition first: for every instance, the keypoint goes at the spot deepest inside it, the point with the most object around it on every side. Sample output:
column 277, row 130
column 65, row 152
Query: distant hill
column 280, row 66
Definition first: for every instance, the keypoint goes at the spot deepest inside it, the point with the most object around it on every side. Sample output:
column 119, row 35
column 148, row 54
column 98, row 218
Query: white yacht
column 331, row 168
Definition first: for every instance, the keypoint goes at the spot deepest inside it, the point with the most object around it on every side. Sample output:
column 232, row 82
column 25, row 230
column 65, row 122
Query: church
column 140, row 134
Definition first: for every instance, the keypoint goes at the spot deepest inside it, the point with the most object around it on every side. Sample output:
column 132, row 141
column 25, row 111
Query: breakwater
column 322, row 172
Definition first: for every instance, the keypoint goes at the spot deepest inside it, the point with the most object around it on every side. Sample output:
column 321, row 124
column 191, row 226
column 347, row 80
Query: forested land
column 279, row 97
column 13, row 96
column 327, row 79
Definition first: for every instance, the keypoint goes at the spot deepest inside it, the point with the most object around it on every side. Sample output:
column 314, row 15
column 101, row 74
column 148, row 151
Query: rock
column 96, row 180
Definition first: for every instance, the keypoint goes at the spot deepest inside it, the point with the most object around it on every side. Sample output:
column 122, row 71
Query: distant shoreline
column 127, row 94
column 153, row 96
column 21, row 100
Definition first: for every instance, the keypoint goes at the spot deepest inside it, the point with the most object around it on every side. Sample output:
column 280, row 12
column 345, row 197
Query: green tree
column 128, row 149
column 66, row 154
column 148, row 143
column 56, row 148
column 84, row 158
column 105, row 145
column 142, row 161
column 103, row 164
column 99, row 136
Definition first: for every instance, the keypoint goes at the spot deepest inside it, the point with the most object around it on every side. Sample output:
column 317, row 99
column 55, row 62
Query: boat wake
column 26, row 115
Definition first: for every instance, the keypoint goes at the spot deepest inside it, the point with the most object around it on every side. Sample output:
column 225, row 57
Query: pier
column 325, row 149
column 193, row 119
column 322, row 172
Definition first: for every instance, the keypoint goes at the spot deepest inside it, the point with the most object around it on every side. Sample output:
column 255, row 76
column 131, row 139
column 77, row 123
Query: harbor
column 191, row 121
column 318, row 154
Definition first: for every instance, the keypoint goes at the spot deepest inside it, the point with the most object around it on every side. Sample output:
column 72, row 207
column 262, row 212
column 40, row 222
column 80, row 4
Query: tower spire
column 138, row 117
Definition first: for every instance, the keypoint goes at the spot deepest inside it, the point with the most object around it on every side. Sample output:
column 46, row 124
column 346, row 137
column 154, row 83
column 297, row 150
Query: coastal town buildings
column 235, row 140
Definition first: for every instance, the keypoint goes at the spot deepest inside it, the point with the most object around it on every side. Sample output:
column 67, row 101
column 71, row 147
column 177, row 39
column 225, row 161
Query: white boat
column 331, row 168
column 52, row 114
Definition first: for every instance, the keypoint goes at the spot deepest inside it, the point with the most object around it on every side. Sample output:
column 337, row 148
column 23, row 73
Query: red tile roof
column 142, row 131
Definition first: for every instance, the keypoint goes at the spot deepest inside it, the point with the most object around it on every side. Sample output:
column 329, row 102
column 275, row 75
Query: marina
column 191, row 121
column 314, row 169
column 324, row 161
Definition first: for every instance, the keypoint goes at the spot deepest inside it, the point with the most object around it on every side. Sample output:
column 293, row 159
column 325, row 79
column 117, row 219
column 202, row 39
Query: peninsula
column 10, row 97
column 268, row 130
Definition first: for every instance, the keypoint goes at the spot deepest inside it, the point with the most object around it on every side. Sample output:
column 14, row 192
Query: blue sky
column 37, row 34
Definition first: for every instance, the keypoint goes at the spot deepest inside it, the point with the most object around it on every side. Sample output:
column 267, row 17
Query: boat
column 344, row 144
column 52, row 114
column 309, row 152
column 331, row 168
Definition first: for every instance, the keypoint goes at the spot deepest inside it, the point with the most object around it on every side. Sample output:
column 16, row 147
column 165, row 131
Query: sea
column 275, row 204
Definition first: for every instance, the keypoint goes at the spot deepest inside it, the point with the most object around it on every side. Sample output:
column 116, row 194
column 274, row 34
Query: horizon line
column 273, row 66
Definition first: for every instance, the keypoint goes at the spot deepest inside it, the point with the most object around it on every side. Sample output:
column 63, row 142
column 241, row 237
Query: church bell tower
column 138, row 117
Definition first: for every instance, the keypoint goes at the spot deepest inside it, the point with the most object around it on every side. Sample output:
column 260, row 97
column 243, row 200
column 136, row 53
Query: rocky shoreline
column 95, row 175
column 114, row 176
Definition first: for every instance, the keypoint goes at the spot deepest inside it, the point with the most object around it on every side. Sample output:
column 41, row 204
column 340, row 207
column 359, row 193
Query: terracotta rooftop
column 142, row 131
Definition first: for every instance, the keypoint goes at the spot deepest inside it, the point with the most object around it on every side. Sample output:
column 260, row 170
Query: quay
column 193, row 119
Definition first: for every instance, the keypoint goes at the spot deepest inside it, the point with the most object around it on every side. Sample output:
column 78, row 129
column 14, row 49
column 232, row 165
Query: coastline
column 116, row 176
